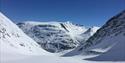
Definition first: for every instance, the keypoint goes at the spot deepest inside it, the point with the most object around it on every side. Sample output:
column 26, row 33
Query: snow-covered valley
column 104, row 45
column 19, row 58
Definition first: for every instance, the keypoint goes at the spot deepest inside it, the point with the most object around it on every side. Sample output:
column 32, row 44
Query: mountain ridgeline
column 108, row 42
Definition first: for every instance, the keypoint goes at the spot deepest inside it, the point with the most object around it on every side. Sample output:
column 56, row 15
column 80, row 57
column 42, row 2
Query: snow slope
column 114, row 52
column 56, row 36
column 88, row 33
column 108, row 42
column 12, row 39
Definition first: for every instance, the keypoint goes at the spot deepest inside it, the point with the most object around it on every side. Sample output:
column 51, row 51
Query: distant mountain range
column 57, row 36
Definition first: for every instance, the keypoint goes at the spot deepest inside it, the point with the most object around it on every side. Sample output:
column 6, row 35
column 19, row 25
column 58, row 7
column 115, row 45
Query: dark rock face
column 115, row 26
column 52, row 39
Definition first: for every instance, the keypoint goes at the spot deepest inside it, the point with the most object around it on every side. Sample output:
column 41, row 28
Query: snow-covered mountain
column 13, row 39
column 16, row 47
column 56, row 36
column 108, row 41
column 89, row 32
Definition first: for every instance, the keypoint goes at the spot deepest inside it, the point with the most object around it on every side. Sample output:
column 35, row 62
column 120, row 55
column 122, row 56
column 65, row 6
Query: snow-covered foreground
column 16, row 58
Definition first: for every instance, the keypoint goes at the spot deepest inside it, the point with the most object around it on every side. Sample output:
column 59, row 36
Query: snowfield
column 17, row 58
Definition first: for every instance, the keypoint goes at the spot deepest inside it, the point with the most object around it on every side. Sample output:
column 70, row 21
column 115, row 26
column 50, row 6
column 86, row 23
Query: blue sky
column 85, row 12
